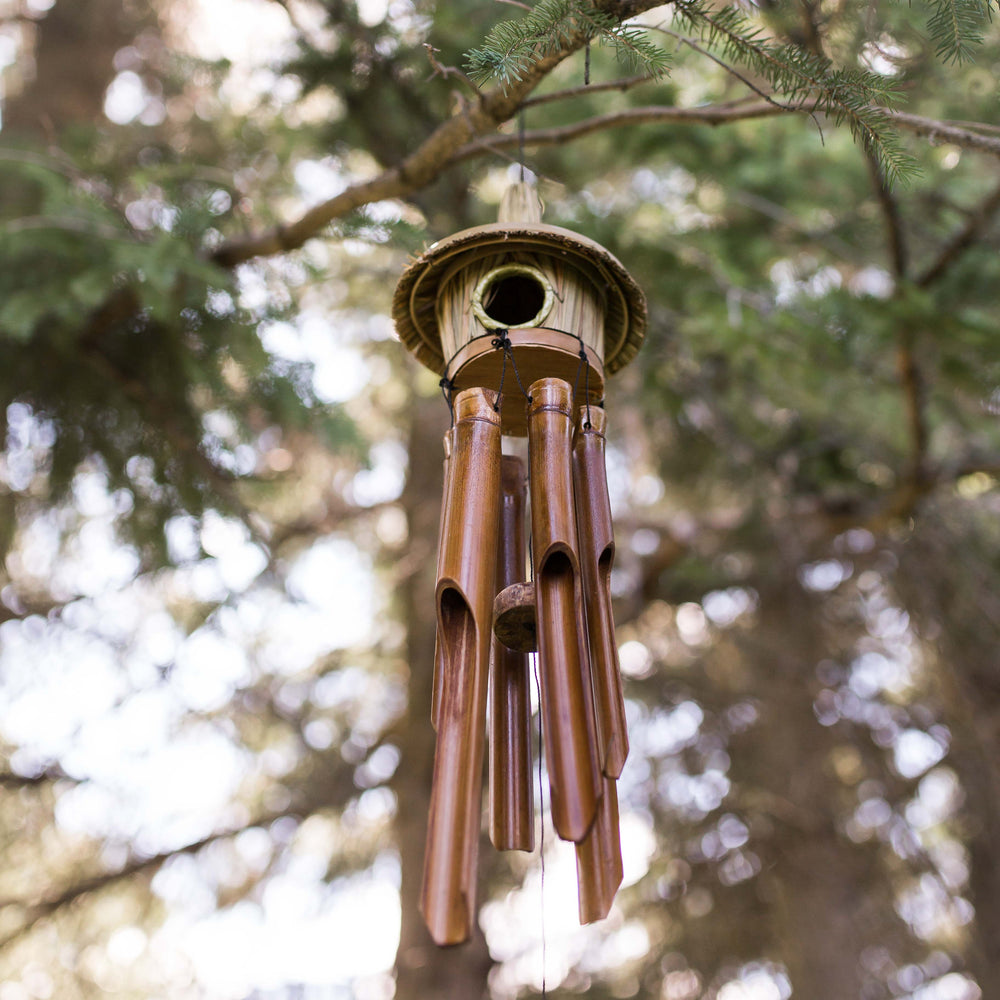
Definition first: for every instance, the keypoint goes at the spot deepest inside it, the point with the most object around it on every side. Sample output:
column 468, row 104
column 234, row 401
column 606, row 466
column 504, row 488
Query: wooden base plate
column 537, row 354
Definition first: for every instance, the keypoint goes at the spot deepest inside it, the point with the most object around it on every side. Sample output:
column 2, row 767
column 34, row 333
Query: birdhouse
column 523, row 321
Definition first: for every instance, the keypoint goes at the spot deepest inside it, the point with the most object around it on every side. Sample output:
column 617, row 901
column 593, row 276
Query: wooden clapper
column 522, row 320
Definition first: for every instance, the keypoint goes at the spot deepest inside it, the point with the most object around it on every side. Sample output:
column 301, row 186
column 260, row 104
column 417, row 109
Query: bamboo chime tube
column 447, row 444
column 599, row 859
column 464, row 597
column 597, row 549
column 511, row 790
column 563, row 658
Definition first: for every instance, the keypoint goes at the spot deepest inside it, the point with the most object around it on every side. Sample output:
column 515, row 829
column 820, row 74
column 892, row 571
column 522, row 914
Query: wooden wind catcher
column 522, row 320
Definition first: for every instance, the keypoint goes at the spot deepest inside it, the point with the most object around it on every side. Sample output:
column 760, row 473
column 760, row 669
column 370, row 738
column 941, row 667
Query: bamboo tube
column 597, row 551
column 448, row 444
column 599, row 859
column 512, row 824
column 563, row 658
column 464, row 614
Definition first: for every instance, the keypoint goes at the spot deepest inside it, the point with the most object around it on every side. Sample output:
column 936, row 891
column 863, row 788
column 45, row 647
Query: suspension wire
column 579, row 370
column 502, row 343
column 447, row 390
column 541, row 784
column 541, row 822
column 520, row 142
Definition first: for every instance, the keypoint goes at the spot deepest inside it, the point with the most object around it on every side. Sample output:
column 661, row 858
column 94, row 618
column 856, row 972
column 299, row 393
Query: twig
column 965, row 238
column 46, row 907
column 626, row 83
column 911, row 379
column 943, row 131
column 912, row 383
column 424, row 165
column 890, row 213
column 439, row 69
column 8, row 779
column 783, row 216
column 720, row 62
column 975, row 126
column 718, row 114
column 465, row 136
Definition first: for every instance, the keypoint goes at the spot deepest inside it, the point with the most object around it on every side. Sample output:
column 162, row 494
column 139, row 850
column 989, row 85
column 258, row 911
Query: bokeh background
column 219, row 502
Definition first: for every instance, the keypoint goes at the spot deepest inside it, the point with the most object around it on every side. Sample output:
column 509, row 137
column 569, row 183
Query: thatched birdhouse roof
column 414, row 305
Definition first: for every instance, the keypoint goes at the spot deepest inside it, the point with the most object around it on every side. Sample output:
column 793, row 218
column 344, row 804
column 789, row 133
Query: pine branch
column 799, row 77
column 464, row 137
column 957, row 27
column 513, row 46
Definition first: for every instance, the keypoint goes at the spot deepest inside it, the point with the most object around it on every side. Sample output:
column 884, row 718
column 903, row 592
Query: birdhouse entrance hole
column 512, row 296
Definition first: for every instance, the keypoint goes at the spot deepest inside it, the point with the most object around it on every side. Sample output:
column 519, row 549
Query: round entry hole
column 513, row 296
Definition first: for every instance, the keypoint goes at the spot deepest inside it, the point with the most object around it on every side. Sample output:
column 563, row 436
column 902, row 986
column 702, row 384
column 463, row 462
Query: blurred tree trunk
column 957, row 604
column 424, row 971
column 816, row 884
column 74, row 64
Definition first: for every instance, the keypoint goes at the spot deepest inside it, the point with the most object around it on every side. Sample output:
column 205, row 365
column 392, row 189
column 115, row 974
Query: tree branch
column 8, row 779
column 912, row 383
column 939, row 131
column 36, row 912
column 585, row 90
column 465, row 136
column 423, row 165
column 893, row 221
column 731, row 70
column 979, row 219
column 911, row 380
column 719, row 114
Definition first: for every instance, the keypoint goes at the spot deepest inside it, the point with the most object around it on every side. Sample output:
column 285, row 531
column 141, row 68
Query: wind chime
column 522, row 320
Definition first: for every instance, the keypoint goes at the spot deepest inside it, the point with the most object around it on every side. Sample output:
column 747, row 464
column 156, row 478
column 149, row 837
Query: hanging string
column 502, row 343
column 520, row 142
column 500, row 340
column 447, row 390
column 579, row 370
column 541, row 818
column 541, row 783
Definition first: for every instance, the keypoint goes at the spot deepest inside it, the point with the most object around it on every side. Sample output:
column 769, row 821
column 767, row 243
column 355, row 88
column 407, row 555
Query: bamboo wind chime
column 522, row 320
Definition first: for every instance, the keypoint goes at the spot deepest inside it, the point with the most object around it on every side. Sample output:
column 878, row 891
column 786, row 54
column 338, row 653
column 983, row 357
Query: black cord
column 447, row 388
column 500, row 340
column 579, row 369
column 502, row 343
column 520, row 142
column 541, row 818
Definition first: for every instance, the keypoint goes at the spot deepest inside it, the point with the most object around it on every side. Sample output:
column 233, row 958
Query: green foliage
column 957, row 27
column 803, row 80
column 125, row 344
column 512, row 46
